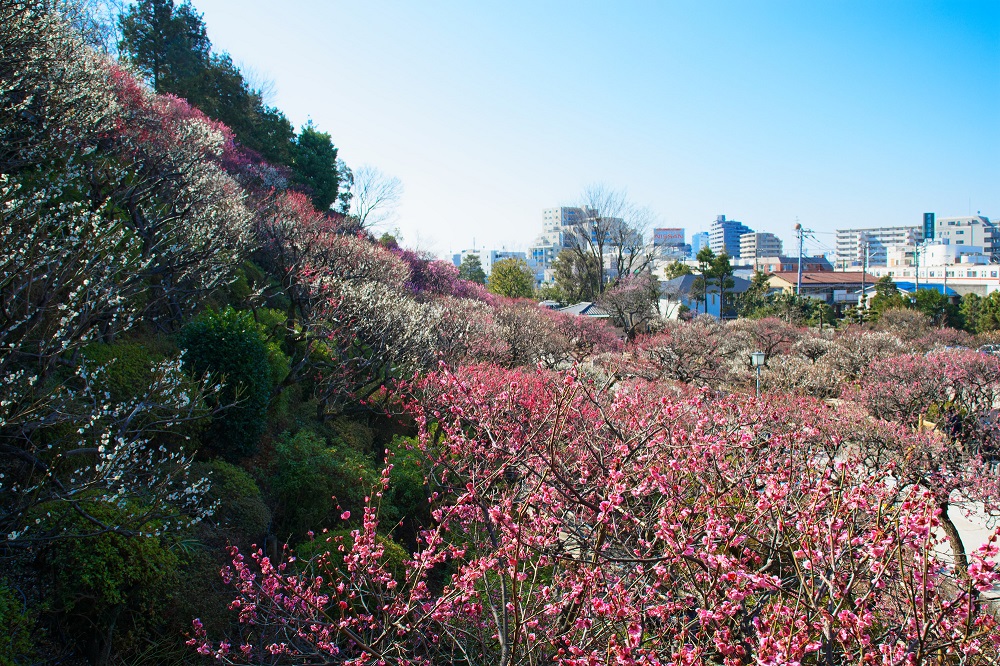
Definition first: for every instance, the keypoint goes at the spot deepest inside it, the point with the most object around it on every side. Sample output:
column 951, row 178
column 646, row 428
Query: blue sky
column 836, row 113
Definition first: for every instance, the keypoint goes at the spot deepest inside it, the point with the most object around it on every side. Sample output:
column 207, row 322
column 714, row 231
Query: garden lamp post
column 757, row 360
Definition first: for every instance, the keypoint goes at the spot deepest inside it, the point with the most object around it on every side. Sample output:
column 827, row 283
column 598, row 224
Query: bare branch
column 374, row 196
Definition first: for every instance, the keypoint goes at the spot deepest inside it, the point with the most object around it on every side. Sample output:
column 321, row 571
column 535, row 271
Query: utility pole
column 864, row 271
column 798, row 283
column 916, row 264
column 946, row 280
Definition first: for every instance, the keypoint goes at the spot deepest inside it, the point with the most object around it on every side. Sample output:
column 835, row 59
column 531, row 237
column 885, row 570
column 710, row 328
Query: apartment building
column 759, row 244
column 724, row 236
column 976, row 230
column 851, row 243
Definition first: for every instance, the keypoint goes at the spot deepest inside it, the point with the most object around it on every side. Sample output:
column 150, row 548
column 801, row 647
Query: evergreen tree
column 722, row 271
column 969, row 310
column 166, row 42
column 887, row 296
column 550, row 292
column 936, row 305
column 675, row 270
column 315, row 166
column 822, row 315
column 988, row 317
column 756, row 295
column 472, row 269
column 222, row 92
column 706, row 259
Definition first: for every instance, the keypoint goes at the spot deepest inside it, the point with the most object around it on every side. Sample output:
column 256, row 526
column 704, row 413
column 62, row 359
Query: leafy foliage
column 229, row 347
column 472, row 269
column 315, row 166
column 511, row 278
column 16, row 645
column 578, row 276
column 241, row 512
column 98, row 580
column 315, row 482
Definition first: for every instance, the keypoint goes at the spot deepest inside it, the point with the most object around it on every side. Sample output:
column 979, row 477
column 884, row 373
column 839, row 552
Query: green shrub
column 127, row 367
column 110, row 589
column 355, row 435
column 406, row 498
column 124, row 371
column 241, row 513
column 229, row 346
column 15, row 629
column 271, row 324
column 308, row 474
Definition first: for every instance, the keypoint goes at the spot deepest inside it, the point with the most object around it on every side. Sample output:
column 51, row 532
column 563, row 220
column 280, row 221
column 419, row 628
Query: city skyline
column 829, row 114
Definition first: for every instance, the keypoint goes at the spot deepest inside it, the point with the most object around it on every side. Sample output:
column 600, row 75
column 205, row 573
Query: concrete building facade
column 976, row 230
column 963, row 268
column 724, row 236
column 698, row 241
column 488, row 257
column 759, row 244
column 851, row 243
column 780, row 264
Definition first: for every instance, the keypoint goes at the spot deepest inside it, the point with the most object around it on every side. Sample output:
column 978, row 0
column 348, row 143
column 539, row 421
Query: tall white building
column 724, row 236
column 759, row 244
column 975, row 230
column 567, row 226
column 851, row 243
column 555, row 237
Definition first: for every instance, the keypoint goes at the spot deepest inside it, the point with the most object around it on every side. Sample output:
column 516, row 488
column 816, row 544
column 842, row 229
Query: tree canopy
column 471, row 269
column 315, row 165
column 512, row 278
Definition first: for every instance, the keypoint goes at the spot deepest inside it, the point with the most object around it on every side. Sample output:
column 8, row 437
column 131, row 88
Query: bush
column 15, row 637
column 405, row 501
column 903, row 322
column 356, row 435
column 309, row 474
column 128, row 367
column 110, row 588
column 229, row 346
column 241, row 513
column 128, row 370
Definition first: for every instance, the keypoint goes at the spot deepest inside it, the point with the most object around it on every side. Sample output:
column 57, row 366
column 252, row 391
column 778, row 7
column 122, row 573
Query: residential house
column 836, row 288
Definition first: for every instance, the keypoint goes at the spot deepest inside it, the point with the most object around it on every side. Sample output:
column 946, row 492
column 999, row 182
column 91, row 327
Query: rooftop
column 813, row 278
column 585, row 309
